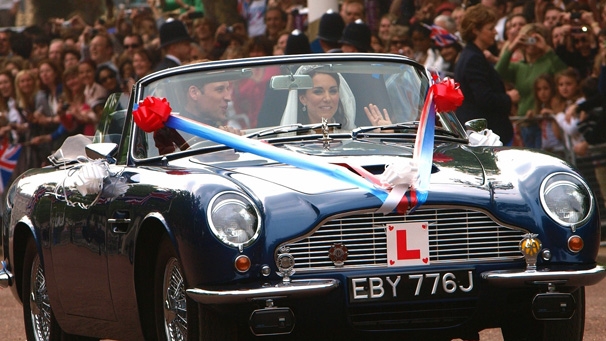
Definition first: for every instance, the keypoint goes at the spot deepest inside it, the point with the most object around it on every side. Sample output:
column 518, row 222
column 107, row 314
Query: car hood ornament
column 286, row 263
column 530, row 247
column 325, row 138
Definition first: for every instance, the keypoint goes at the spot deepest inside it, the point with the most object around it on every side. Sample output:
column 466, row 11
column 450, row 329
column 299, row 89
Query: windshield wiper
column 395, row 126
column 407, row 125
column 292, row 128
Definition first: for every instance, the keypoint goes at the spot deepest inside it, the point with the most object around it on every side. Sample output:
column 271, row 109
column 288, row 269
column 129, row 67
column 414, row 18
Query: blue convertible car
column 331, row 196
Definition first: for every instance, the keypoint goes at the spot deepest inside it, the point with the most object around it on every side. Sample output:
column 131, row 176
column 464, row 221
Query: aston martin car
column 326, row 196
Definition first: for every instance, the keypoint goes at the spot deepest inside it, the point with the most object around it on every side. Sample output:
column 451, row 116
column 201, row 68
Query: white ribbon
column 402, row 173
column 89, row 177
column 484, row 138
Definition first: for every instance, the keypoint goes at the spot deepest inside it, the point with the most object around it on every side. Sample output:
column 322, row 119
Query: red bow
column 447, row 95
column 152, row 113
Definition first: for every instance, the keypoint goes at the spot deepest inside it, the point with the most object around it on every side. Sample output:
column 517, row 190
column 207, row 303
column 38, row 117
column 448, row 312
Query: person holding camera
column 539, row 58
column 580, row 44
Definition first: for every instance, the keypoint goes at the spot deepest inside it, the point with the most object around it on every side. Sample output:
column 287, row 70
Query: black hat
column 173, row 31
column 357, row 34
column 331, row 27
column 297, row 43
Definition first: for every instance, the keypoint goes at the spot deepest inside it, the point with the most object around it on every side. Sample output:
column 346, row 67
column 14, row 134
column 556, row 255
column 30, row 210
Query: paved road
column 11, row 315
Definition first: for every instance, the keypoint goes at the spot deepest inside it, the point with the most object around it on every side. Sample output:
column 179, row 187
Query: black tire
column 195, row 322
column 524, row 326
column 177, row 318
column 568, row 330
column 40, row 323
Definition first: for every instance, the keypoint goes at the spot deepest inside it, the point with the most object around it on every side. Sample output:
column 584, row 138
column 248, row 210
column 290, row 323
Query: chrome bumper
column 6, row 277
column 516, row 278
column 294, row 289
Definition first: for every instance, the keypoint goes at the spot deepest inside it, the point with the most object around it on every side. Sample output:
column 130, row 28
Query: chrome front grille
column 455, row 235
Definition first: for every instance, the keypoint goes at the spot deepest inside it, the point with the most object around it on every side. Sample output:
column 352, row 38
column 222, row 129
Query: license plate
column 411, row 286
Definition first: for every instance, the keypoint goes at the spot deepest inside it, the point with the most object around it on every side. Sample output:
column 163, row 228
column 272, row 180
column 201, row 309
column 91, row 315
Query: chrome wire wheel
column 40, row 308
column 174, row 301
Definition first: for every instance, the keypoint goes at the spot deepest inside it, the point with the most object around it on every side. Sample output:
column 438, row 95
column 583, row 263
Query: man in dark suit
column 204, row 102
column 175, row 42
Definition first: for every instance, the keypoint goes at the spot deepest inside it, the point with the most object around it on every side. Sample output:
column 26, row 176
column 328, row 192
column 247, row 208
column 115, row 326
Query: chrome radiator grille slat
column 455, row 235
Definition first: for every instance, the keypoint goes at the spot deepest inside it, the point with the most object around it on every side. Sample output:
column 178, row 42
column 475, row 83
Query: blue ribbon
column 259, row 148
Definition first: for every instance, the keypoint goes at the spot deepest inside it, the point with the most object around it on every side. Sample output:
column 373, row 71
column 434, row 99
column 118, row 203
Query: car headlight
column 234, row 219
column 567, row 199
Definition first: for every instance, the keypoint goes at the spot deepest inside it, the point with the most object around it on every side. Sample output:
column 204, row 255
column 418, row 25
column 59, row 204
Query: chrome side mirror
column 101, row 151
column 476, row 125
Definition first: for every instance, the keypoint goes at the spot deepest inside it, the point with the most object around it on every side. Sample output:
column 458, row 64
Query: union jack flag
column 441, row 36
column 9, row 154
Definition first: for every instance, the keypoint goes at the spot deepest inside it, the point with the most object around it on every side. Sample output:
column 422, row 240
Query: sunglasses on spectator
column 105, row 79
column 128, row 46
column 397, row 42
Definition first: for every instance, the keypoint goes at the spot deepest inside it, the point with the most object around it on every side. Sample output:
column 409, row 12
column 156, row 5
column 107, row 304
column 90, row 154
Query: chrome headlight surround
column 567, row 199
column 234, row 219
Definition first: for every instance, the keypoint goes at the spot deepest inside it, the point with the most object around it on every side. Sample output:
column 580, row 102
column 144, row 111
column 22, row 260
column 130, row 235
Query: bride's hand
column 375, row 116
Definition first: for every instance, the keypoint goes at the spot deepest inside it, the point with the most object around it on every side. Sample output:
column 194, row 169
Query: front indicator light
column 575, row 243
column 242, row 263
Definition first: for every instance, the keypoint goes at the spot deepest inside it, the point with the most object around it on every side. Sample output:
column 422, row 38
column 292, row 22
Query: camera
column 579, row 29
column 229, row 29
column 575, row 15
column 299, row 10
column 531, row 41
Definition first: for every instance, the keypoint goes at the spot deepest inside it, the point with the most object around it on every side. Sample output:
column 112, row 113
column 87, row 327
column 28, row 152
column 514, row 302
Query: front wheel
column 177, row 316
column 523, row 326
column 572, row 329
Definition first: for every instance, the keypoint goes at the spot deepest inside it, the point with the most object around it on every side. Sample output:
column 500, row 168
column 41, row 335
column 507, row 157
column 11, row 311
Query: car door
column 79, row 257
column 79, row 225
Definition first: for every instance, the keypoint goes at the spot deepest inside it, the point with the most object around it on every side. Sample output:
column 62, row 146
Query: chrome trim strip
column 296, row 288
column 6, row 277
column 516, row 278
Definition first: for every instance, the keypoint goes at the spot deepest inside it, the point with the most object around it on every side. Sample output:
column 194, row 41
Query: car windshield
column 288, row 99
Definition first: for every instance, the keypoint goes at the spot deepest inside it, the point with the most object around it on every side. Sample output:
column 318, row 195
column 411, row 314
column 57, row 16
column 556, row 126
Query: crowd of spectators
column 546, row 58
